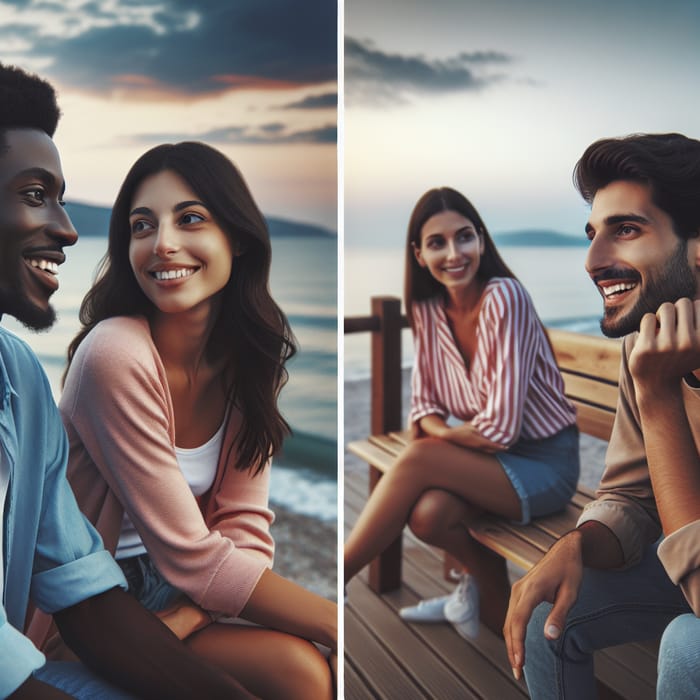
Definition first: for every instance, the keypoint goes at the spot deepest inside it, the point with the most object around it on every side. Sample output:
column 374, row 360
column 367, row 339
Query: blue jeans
column 613, row 607
column 679, row 660
column 78, row 681
column 147, row 584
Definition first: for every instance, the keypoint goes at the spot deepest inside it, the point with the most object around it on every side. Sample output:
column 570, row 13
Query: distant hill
column 539, row 237
column 91, row 220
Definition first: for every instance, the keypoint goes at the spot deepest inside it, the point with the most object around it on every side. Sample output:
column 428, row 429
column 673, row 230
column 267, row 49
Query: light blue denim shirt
column 51, row 552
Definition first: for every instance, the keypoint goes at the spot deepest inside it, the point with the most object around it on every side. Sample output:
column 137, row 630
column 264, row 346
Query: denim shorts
column 544, row 473
column 147, row 584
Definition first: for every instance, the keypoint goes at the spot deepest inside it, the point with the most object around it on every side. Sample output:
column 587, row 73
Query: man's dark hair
column 26, row 102
column 668, row 163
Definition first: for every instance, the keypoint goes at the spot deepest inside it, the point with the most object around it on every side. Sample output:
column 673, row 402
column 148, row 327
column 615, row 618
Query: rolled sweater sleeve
column 117, row 405
column 680, row 555
column 624, row 500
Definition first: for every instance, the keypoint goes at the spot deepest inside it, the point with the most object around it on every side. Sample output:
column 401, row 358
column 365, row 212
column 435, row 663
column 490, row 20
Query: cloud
column 177, row 47
column 374, row 76
column 266, row 134
column 325, row 101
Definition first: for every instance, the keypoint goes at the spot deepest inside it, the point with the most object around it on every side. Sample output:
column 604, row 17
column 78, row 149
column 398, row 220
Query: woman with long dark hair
column 170, row 403
column 492, row 428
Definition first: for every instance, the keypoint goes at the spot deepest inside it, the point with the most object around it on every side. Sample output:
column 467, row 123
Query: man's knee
column 679, row 659
column 535, row 641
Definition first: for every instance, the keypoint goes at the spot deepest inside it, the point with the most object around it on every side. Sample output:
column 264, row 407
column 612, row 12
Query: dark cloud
column 186, row 47
column 328, row 100
column 267, row 134
column 372, row 75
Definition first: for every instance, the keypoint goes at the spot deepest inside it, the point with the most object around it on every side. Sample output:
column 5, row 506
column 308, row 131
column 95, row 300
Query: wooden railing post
column 385, row 570
column 386, row 366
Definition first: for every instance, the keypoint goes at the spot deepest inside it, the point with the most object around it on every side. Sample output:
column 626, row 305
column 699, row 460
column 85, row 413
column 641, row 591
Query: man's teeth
column 45, row 265
column 617, row 288
column 173, row 274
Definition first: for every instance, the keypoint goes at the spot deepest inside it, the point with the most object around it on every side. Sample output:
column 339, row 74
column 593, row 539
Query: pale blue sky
column 499, row 98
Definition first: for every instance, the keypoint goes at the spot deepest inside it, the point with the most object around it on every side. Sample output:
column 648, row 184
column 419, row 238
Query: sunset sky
column 257, row 80
column 499, row 98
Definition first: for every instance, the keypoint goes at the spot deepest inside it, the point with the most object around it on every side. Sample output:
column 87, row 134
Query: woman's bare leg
column 269, row 663
column 426, row 464
column 441, row 519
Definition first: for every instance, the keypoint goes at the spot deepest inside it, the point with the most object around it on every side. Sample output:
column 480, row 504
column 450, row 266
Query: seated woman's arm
column 115, row 407
column 464, row 434
column 279, row 603
column 120, row 423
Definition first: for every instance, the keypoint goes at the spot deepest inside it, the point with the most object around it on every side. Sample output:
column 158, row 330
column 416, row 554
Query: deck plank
column 436, row 662
column 380, row 647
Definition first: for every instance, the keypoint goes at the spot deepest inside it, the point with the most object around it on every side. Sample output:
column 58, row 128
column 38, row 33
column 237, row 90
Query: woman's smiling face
column 450, row 248
column 180, row 256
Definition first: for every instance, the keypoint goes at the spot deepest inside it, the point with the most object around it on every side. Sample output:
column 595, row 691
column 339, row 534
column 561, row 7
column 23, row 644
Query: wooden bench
column 590, row 368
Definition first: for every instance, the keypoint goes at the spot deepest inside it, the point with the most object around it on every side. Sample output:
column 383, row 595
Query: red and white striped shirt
column 513, row 388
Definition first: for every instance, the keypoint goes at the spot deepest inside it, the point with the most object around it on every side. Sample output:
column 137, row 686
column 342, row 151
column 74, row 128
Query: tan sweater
column 625, row 501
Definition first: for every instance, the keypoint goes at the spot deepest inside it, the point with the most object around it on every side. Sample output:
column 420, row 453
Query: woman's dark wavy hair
column 251, row 332
column 668, row 163
column 419, row 284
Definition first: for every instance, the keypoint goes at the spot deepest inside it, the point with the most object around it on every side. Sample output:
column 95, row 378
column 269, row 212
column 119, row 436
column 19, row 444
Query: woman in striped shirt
column 493, row 430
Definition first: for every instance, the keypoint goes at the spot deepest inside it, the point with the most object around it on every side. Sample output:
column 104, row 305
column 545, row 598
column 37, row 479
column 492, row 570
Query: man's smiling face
column 636, row 259
column 34, row 226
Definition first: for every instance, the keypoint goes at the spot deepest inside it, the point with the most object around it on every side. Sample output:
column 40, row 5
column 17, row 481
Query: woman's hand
column 281, row 604
column 464, row 435
column 467, row 435
column 184, row 618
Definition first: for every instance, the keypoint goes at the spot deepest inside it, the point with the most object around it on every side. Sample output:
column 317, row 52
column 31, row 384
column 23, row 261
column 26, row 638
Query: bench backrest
column 590, row 367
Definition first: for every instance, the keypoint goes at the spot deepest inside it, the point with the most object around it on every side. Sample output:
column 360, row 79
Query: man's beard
column 671, row 282
column 27, row 313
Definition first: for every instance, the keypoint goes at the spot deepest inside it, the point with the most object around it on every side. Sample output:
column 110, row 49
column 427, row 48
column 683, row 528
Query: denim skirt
column 147, row 584
column 544, row 473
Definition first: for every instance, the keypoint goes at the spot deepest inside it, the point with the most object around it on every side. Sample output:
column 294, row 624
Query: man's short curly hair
column 26, row 102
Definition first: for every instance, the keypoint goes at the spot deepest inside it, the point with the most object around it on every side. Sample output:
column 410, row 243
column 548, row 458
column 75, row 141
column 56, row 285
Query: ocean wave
column 306, row 450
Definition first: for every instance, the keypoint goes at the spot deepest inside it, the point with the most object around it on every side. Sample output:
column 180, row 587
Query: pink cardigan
column 117, row 411
column 118, row 414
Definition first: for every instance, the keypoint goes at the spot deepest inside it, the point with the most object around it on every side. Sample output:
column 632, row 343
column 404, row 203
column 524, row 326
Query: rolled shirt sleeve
column 425, row 399
column 70, row 562
column 53, row 555
column 624, row 500
column 19, row 658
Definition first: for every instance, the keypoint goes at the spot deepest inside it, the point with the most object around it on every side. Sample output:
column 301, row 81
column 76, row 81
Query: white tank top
column 198, row 466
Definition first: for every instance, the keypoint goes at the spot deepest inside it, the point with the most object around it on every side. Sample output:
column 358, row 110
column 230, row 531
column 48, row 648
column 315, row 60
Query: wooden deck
column 389, row 659
column 392, row 660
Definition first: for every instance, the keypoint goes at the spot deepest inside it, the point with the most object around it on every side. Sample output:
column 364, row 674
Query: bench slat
column 599, row 356
column 594, row 421
column 590, row 390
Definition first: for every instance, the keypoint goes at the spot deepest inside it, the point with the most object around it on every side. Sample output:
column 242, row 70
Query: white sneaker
column 462, row 608
column 428, row 610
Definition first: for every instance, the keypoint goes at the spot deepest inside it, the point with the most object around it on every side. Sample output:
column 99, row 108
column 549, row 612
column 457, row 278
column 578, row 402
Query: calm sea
column 303, row 283
column 554, row 276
